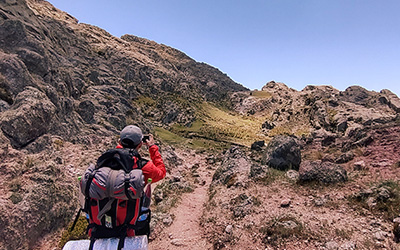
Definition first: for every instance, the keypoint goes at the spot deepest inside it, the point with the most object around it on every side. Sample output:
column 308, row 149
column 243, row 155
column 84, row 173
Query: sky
column 298, row 42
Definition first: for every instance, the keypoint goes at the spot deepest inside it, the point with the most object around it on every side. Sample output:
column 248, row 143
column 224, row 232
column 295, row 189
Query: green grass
column 221, row 124
column 78, row 233
column 271, row 176
column 169, row 137
column 290, row 129
column 193, row 143
column 194, row 128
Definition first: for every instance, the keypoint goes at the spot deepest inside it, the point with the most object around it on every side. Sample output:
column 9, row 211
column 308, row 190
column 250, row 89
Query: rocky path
column 186, row 232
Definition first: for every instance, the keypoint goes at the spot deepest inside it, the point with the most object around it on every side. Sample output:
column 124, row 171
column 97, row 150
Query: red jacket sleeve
column 154, row 169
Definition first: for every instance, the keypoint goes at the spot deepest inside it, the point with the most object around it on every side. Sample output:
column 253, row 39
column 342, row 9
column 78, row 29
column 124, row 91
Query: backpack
column 113, row 190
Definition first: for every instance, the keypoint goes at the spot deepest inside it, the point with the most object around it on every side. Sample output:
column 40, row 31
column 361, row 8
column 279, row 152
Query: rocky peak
column 277, row 87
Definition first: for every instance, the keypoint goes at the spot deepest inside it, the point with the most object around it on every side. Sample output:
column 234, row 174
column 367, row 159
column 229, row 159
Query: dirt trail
column 186, row 232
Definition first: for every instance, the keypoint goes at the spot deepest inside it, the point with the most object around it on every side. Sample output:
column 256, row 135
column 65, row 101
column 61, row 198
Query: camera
column 145, row 138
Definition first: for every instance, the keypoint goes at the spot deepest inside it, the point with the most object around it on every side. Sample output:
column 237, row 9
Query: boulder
column 323, row 172
column 234, row 169
column 283, row 153
column 29, row 117
column 15, row 73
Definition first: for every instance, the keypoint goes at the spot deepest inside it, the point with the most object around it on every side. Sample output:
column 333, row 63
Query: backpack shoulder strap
column 140, row 162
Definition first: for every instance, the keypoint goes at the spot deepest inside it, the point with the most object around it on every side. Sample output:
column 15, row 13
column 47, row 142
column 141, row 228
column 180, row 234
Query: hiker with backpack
column 117, row 189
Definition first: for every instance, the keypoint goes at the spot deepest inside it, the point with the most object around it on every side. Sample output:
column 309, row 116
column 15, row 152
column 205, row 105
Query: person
column 132, row 137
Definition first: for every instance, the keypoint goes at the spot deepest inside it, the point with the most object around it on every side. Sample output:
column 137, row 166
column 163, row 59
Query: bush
column 281, row 228
column 382, row 198
column 78, row 233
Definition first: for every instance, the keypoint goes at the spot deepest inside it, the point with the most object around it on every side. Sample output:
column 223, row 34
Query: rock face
column 30, row 117
column 85, row 76
column 63, row 81
column 283, row 152
column 323, row 172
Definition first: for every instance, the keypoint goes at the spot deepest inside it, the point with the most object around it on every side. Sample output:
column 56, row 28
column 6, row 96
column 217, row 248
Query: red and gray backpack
column 113, row 190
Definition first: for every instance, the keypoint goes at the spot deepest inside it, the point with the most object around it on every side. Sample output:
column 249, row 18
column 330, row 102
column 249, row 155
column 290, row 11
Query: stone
column 359, row 165
column 380, row 236
column 331, row 245
column 4, row 105
column 229, row 229
column 319, row 202
column 176, row 178
column 28, row 118
column 241, row 206
column 86, row 109
column 365, row 193
column 168, row 221
column 349, row 245
column 177, row 242
column 234, row 169
column 371, row 202
column 292, row 175
column 328, row 140
column 283, row 153
column 286, row 203
column 268, row 125
column 158, row 195
column 257, row 145
column 258, row 172
column 342, row 126
column 383, row 194
column 324, row 172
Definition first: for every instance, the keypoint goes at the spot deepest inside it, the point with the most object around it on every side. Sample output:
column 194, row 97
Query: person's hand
column 150, row 142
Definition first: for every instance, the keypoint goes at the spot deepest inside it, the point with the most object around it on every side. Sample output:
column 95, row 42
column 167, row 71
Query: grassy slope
column 214, row 128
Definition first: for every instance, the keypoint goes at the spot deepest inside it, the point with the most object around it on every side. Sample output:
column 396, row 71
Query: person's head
column 131, row 137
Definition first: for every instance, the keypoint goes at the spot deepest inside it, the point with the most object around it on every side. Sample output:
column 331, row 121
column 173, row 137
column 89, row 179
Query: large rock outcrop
column 283, row 153
column 92, row 77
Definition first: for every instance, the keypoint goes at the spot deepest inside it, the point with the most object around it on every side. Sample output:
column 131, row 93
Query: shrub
column 281, row 228
column 78, row 233
column 382, row 198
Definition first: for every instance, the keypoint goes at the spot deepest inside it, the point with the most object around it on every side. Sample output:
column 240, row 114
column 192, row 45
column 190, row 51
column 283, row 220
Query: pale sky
column 297, row 42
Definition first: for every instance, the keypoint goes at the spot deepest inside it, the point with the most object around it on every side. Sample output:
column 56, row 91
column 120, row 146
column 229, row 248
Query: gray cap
column 131, row 136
